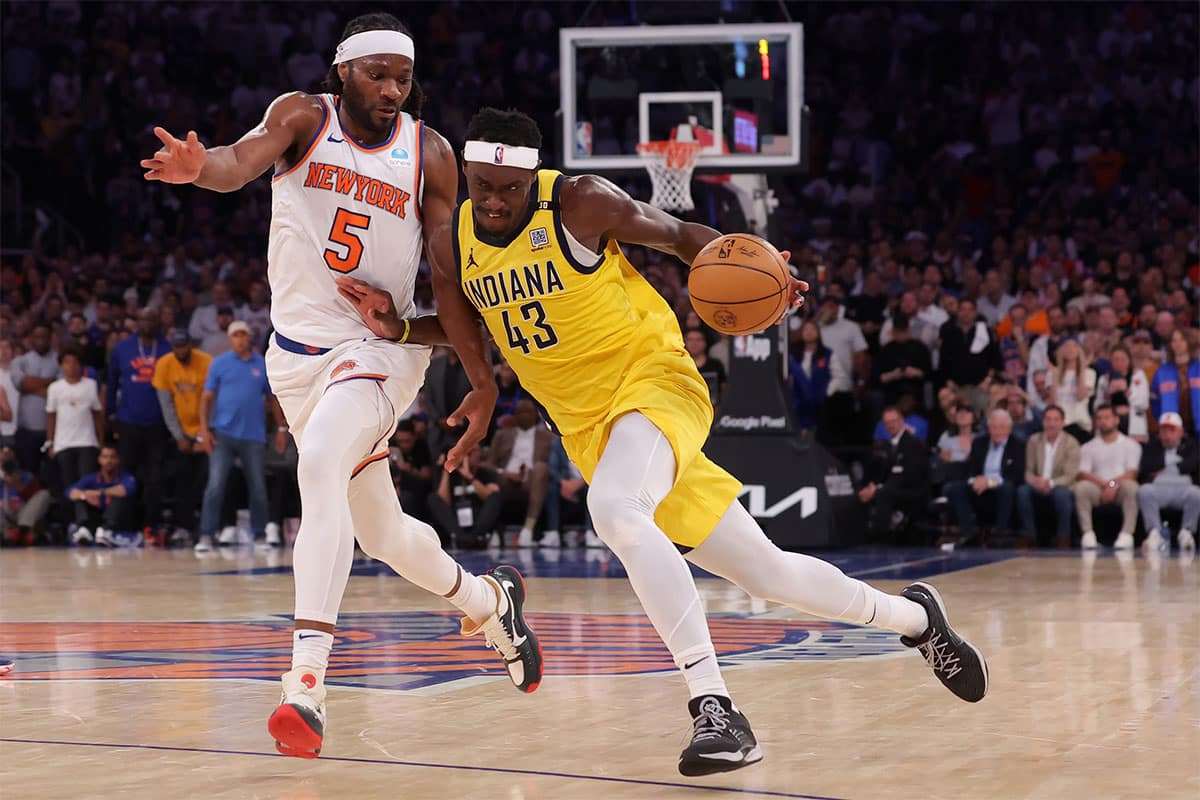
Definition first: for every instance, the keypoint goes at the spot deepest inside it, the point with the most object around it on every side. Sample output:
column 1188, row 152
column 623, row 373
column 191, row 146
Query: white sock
column 701, row 671
column 311, row 648
column 739, row 551
column 476, row 597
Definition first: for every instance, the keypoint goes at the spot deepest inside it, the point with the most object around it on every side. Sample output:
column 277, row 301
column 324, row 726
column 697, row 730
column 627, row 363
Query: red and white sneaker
column 506, row 631
column 298, row 722
column 6, row 666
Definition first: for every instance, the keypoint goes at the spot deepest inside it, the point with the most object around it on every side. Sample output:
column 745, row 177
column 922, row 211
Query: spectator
column 257, row 314
column 74, row 420
column 232, row 426
column 1108, row 468
column 467, row 503
column 1176, row 384
column 521, row 454
column 103, row 501
column 1074, row 383
column 931, row 315
column 33, row 373
column 9, row 396
column 1168, row 473
column 905, row 363
column 446, row 384
column 91, row 353
column 509, row 393
column 24, row 502
column 867, row 309
column 217, row 342
column 1044, row 348
column 997, row 464
column 140, row 433
column 954, row 445
column 205, row 322
column 1016, row 403
column 969, row 357
column 1128, row 391
column 712, row 370
column 848, row 366
column 995, row 302
column 568, row 491
column 179, row 378
column 411, row 465
column 1051, row 466
column 810, row 376
column 900, row 476
column 1014, row 347
column 917, row 425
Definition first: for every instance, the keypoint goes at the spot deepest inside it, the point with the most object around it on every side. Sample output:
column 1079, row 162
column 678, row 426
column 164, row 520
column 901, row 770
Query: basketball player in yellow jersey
column 536, row 255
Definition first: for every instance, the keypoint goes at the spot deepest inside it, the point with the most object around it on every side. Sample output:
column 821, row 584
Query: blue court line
column 463, row 767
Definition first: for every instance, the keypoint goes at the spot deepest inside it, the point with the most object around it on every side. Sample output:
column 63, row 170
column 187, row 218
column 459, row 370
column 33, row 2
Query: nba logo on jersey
column 499, row 156
column 399, row 157
column 538, row 238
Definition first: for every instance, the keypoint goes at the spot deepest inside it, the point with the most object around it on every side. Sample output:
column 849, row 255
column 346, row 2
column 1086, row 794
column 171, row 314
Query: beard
column 356, row 108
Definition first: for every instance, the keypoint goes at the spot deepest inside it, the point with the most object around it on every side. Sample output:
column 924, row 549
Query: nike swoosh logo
column 331, row 138
column 310, row 636
column 694, row 663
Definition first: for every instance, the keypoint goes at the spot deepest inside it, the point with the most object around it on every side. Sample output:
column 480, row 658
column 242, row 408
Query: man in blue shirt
column 140, row 431
column 232, row 425
column 102, row 501
column 997, row 462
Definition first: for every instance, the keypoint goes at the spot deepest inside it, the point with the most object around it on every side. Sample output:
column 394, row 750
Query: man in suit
column 1168, row 472
column 997, row 462
column 900, row 479
column 1051, row 464
column 521, row 454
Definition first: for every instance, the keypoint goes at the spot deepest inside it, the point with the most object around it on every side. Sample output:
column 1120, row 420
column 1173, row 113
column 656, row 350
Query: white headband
column 373, row 43
column 502, row 154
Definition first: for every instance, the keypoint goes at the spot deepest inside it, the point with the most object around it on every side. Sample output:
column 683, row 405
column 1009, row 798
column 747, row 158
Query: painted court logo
column 409, row 651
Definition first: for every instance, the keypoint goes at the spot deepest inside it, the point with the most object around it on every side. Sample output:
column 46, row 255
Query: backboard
column 625, row 85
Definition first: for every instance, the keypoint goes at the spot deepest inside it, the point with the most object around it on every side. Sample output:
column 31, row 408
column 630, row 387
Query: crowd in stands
column 999, row 224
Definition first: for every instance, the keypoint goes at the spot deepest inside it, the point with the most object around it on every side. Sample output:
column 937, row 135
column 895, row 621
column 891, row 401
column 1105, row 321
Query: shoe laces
column 939, row 654
column 497, row 636
column 711, row 723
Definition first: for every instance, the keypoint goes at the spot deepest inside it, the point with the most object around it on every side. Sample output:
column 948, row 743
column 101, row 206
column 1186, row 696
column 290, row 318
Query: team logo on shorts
column 538, row 238
column 345, row 366
column 419, row 651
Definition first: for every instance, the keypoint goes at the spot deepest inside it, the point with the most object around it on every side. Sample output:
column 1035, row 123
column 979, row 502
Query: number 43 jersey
column 588, row 337
column 344, row 209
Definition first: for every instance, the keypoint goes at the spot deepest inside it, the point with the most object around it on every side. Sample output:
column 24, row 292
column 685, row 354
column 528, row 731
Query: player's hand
column 477, row 409
column 796, row 290
column 176, row 161
column 375, row 306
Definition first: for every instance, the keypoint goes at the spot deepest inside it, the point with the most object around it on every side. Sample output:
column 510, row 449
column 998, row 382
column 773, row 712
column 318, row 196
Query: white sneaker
column 525, row 538
column 551, row 539
column 298, row 722
column 181, row 537
column 203, row 544
column 104, row 538
column 81, row 536
column 1154, row 542
column 1187, row 542
column 1088, row 541
column 228, row 535
column 273, row 537
column 1124, row 542
column 590, row 539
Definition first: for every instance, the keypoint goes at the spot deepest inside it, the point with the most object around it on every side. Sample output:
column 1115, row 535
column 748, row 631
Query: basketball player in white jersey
column 358, row 182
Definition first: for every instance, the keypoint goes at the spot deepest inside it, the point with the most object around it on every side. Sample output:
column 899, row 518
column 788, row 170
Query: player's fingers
column 802, row 286
column 454, row 458
column 151, row 163
column 786, row 254
column 192, row 139
column 351, row 296
column 153, row 175
column 165, row 137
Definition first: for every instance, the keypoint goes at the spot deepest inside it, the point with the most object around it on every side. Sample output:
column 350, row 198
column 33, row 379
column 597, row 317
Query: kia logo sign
column 757, row 497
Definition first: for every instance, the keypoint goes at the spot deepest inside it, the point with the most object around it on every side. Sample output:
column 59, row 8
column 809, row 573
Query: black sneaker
column 508, row 634
column 721, row 738
column 957, row 663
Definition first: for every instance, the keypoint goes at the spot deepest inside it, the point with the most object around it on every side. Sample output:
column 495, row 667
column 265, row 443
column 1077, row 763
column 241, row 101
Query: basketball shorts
column 299, row 379
column 702, row 491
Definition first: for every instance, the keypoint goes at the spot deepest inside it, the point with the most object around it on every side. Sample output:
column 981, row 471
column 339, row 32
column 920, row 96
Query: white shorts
column 299, row 380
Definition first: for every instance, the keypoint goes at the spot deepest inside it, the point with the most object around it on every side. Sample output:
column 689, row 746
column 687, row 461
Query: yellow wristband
column 404, row 336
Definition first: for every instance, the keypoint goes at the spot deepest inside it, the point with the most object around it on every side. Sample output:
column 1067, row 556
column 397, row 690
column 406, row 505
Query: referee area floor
column 150, row 674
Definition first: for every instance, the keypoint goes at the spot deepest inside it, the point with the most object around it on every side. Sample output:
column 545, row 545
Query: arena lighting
column 765, row 55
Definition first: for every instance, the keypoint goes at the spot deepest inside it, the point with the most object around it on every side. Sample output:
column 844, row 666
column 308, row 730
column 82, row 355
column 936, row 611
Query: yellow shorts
column 679, row 407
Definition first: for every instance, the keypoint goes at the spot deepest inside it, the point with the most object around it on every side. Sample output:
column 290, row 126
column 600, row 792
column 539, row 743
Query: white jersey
column 344, row 209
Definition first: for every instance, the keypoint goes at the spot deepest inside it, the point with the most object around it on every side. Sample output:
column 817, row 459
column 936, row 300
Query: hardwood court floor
column 149, row 674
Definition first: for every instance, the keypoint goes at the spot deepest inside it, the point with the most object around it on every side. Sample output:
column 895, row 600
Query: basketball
column 739, row 284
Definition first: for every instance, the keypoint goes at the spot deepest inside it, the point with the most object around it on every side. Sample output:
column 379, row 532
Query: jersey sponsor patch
column 420, row 651
column 539, row 238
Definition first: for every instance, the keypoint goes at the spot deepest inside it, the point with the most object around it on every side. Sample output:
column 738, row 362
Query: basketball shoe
column 298, row 722
column 721, row 738
column 6, row 666
column 506, row 631
column 957, row 663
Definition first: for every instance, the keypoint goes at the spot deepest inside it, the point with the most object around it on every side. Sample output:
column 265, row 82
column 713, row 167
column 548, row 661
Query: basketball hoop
column 670, row 164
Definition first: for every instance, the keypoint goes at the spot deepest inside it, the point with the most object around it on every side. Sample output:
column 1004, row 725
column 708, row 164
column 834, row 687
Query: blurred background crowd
column 999, row 221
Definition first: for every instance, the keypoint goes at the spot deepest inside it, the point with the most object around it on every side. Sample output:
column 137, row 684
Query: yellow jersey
column 591, row 340
column 186, row 385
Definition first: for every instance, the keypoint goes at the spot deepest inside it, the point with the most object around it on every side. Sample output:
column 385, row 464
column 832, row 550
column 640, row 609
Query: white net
column 670, row 165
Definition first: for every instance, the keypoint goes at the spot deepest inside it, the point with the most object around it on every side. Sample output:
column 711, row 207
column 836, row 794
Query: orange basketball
column 739, row 284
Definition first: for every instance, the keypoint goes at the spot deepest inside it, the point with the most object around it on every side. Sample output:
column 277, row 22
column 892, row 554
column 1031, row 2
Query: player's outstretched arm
column 289, row 123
